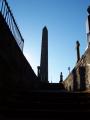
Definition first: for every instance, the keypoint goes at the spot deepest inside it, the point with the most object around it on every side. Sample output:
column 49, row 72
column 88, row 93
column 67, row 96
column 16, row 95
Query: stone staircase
column 46, row 104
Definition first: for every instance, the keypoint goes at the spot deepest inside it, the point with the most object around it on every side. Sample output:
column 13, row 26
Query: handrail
column 9, row 18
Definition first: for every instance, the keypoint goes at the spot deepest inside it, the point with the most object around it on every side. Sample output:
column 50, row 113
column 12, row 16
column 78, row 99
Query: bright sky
column 65, row 20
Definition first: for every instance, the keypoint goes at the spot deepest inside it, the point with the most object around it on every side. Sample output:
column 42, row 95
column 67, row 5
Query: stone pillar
column 38, row 71
column 88, row 26
column 61, row 77
column 78, row 51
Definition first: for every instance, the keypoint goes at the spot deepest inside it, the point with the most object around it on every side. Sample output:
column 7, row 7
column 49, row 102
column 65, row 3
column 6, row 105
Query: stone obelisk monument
column 44, row 56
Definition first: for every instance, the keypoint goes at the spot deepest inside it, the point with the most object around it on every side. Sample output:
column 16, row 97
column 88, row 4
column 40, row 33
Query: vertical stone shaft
column 78, row 51
column 88, row 26
column 44, row 56
column 38, row 71
column 61, row 77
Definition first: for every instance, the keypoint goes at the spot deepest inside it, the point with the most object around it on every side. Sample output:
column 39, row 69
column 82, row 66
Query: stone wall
column 79, row 78
column 14, row 68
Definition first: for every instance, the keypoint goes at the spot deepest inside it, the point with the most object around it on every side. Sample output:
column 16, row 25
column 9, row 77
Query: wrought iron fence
column 9, row 18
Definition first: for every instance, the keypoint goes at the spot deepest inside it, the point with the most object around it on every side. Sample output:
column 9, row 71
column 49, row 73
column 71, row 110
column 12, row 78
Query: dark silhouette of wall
column 74, row 79
column 14, row 68
column 82, row 78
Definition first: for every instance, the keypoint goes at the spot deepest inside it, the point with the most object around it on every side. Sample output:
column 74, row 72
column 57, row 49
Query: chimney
column 78, row 51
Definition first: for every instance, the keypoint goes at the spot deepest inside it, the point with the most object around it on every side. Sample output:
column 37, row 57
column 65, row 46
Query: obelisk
column 44, row 56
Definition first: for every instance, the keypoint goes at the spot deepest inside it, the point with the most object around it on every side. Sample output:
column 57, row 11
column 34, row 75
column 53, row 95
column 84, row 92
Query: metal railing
column 8, row 16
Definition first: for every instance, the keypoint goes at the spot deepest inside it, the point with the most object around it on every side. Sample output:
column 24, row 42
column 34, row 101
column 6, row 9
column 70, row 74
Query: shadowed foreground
column 44, row 105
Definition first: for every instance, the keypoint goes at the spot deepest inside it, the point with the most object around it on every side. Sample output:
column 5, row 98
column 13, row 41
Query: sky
column 66, row 23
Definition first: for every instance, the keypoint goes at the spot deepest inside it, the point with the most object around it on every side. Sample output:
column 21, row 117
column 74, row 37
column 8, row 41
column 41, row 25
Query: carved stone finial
column 88, row 9
column 77, row 43
column 61, row 77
